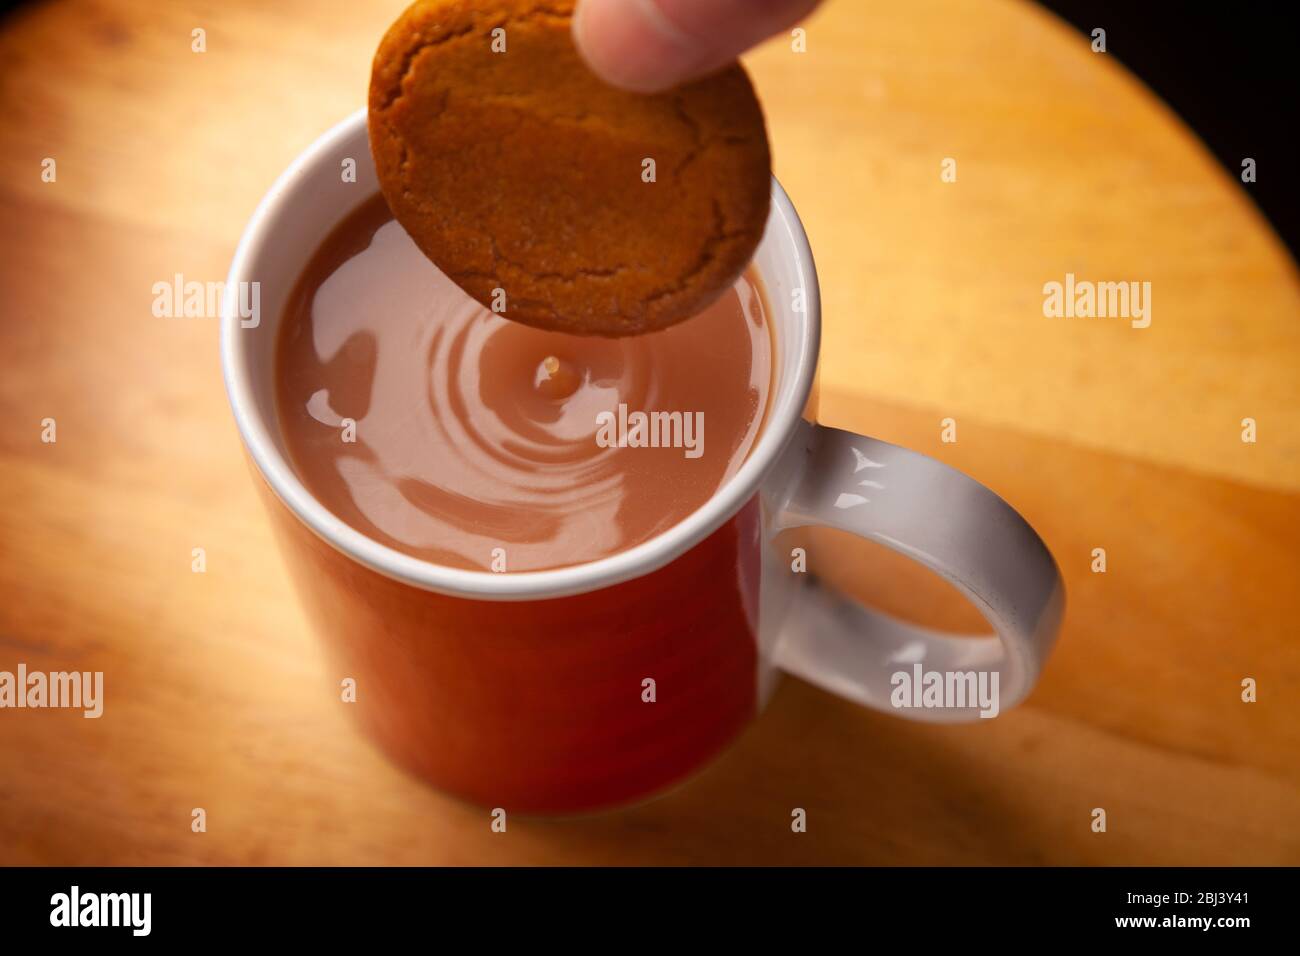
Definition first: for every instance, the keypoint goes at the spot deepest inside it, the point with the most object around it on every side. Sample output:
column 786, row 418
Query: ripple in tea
column 448, row 432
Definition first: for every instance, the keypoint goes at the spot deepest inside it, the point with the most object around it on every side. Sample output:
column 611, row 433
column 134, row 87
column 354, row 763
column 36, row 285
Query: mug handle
column 949, row 523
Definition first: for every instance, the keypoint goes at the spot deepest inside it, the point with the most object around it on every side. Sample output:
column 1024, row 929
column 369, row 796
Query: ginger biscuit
column 550, row 197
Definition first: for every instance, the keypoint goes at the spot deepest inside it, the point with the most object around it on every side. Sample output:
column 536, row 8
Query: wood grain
column 1105, row 436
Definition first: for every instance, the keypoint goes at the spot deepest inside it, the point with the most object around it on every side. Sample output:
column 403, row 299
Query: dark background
column 1228, row 69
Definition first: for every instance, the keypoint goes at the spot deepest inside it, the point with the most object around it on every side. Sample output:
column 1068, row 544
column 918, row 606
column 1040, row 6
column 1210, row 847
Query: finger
column 650, row 45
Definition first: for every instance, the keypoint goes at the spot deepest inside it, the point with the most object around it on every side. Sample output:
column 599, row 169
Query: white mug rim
column 784, row 414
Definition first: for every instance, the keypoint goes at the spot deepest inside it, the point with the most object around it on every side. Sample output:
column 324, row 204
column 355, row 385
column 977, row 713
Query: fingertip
column 629, row 44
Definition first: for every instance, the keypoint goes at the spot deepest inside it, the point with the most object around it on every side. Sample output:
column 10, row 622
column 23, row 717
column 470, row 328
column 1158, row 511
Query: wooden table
column 1102, row 434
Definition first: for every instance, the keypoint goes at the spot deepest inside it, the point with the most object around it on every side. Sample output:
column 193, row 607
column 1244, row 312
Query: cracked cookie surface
column 517, row 169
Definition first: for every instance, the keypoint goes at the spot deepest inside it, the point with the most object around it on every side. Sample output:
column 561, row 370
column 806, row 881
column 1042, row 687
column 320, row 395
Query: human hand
column 650, row 45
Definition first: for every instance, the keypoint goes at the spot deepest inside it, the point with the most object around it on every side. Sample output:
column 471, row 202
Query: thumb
column 650, row 45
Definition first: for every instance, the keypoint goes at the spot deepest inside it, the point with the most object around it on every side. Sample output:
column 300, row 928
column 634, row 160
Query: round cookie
column 534, row 186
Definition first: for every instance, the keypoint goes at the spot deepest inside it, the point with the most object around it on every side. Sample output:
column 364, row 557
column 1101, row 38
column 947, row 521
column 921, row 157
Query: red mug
column 604, row 683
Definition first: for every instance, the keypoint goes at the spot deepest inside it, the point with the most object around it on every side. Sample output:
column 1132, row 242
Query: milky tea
column 444, row 430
